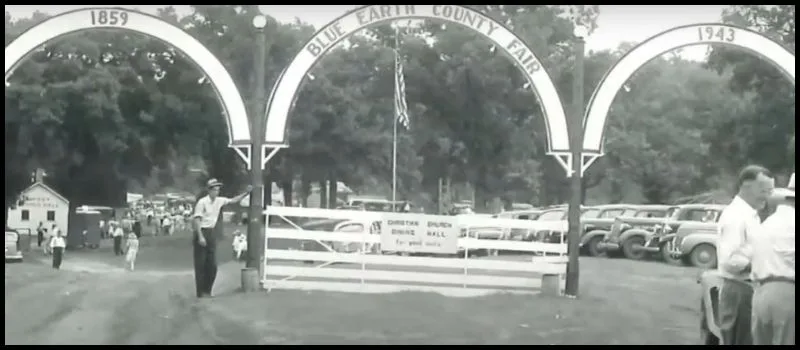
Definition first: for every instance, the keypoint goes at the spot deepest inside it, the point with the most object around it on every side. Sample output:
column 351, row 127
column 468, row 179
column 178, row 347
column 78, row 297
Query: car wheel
column 704, row 256
column 632, row 248
column 593, row 246
column 666, row 254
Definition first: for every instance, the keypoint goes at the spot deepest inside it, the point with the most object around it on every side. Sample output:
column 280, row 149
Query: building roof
column 48, row 189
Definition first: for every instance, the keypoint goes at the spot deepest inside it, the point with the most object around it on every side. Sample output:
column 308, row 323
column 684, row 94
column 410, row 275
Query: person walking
column 166, row 225
column 57, row 245
column 737, row 226
column 206, row 213
column 137, row 227
column 40, row 234
column 773, row 272
column 131, row 251
column 116, row 234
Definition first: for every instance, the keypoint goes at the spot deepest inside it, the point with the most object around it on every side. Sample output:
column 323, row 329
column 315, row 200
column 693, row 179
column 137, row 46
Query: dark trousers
column 735, row 311
column 39, row 238
column 205, row 263
column 58, row 252
column 117, row 245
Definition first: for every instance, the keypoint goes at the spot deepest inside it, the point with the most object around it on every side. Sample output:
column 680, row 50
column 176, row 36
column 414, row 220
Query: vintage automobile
column 637, row 237
column 695, row 244
column 596, row 221
column 596, row 229
column 520, row 234
column 13, row 251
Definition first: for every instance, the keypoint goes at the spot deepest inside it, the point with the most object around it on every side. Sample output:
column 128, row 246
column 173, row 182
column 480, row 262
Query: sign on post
column 417, row 233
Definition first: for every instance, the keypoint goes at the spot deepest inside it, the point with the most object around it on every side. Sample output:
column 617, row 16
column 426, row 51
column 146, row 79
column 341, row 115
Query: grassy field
column 93, row 301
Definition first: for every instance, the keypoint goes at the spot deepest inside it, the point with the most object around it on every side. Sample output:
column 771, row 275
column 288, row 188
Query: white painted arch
column 119, row 18
column 694, row 34
column 288, row 84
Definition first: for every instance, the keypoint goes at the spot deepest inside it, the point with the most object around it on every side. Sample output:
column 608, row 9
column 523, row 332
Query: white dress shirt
column 773, row 249
column 208, row 210
column 737, row 225
column 58, row 242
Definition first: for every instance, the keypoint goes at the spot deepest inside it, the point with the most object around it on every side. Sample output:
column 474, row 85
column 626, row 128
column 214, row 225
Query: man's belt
column 764, row 281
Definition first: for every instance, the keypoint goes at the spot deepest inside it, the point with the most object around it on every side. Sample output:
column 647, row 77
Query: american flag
column 400, row 106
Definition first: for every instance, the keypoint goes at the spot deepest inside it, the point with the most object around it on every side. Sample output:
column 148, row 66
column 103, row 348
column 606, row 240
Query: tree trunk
column 333, row 192
column 268, row 189
column 287, row 188
column 305, row 190
column 323, row 194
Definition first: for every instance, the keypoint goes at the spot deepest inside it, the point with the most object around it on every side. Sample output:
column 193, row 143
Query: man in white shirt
column 57, row 244
column 206, row 213
column 773, row 265
column 116, row 233
column 738, row 223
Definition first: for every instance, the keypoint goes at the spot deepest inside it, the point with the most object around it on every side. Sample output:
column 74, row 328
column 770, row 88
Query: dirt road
column 93, row 301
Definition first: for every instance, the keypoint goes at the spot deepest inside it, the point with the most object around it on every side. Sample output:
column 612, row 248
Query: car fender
column 693, row 240
column 592, row 234
column 633, row 232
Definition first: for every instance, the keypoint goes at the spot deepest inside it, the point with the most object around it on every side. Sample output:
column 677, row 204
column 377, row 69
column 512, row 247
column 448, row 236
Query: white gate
column 339, row 250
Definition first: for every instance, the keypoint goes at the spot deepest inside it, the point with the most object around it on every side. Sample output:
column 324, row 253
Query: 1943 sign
column 714, row 33
column 109, row 17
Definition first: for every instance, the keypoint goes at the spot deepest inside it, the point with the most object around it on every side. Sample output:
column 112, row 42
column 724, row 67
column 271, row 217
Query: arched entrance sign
column 120, row 18
column 284, row 92
column 695, row 34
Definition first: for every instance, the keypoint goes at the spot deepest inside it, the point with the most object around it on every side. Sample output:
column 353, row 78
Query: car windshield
column 612, row 213
column 554, row 215
column 651, row 214
column 590, row 214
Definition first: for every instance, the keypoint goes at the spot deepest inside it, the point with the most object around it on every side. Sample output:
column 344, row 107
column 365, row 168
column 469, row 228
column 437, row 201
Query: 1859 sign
column 109, row 17
column 714, row 33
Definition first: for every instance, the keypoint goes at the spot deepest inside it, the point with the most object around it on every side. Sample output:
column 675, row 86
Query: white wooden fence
column 290, row 265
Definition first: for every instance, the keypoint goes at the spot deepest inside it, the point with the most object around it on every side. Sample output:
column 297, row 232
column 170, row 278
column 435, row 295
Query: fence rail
column 364, row 268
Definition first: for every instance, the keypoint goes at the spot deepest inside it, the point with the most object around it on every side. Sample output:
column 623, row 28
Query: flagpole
column 394, row 120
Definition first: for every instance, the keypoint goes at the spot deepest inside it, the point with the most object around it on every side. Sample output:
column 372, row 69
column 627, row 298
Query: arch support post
column 576, row 173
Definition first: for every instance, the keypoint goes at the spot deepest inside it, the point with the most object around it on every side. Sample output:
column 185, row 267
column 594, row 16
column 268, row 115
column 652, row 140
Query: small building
column 39, row 203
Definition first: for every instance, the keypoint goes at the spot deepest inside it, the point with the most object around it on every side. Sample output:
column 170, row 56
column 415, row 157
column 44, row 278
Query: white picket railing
column 365, row 270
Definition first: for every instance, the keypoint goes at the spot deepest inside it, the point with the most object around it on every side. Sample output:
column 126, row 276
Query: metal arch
column 289, row 82
column 78, row 20
column 600, row 102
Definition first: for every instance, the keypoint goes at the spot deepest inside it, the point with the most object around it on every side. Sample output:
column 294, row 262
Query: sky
column 616, row 23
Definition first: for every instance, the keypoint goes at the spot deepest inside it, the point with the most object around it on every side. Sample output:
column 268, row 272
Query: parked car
column 521, row 234
column 13, row 251
column 695, row 244
column 596, row 219
column 636, row 237
column 596, row 229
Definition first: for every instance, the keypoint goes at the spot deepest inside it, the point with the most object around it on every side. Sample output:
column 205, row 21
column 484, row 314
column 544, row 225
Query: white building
column 40, row 203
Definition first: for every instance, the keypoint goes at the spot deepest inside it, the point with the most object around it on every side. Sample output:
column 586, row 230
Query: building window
column 26, row 215
column 51, row 215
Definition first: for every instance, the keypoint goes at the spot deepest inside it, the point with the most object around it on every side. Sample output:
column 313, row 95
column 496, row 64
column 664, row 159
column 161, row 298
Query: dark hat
column 213, row 183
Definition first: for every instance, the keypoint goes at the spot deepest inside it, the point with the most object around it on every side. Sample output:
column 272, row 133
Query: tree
column 762, row 133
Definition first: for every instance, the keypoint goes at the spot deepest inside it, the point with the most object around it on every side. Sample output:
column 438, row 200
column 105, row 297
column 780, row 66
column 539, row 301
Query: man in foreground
column 773, row 274
column 206, row 213
column 738, row 224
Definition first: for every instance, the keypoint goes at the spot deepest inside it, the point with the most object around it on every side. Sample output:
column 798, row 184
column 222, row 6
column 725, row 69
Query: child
column 57, row 245
column 239, row 244
column 131, row 248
